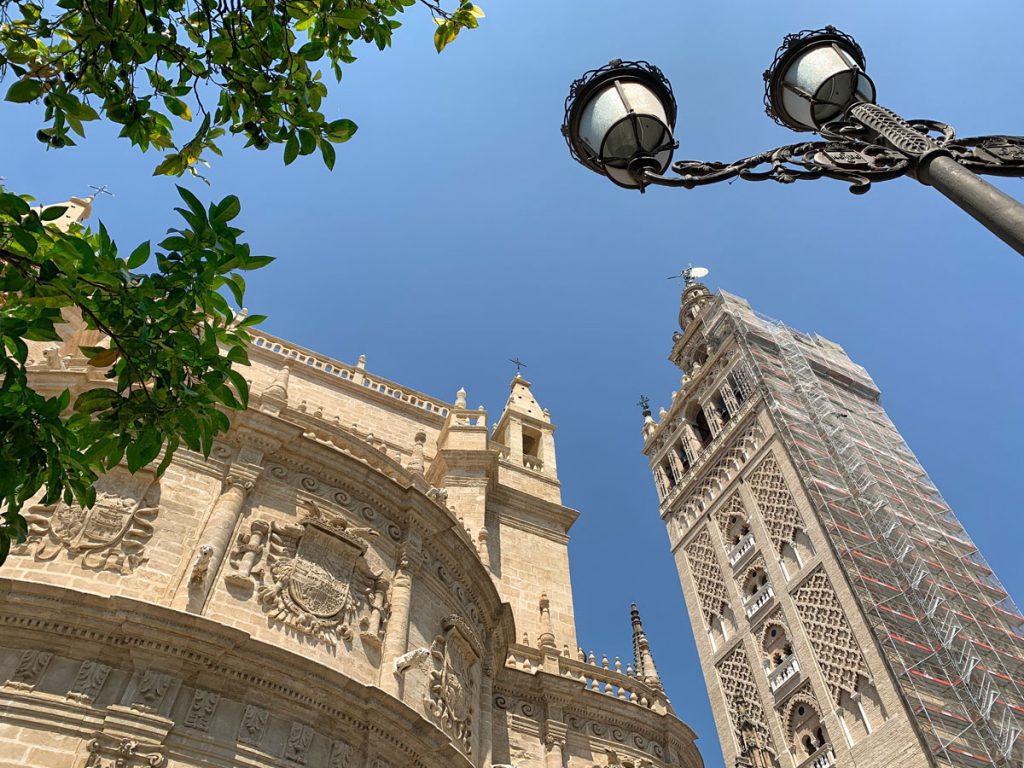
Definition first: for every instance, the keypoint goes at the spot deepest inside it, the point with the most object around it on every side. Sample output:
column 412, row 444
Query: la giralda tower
column 842, row 614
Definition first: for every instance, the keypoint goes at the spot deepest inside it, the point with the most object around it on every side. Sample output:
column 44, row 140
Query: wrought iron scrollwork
column 873, row 144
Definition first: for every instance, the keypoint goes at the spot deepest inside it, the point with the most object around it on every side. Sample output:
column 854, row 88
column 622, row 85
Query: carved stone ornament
column 454, row 680
column 342, row 755
column 110, row 536
column 108, row 752
column 253, row 725
column 30, row 669
column 88, row 682
column 317, row 580
column 296, row 749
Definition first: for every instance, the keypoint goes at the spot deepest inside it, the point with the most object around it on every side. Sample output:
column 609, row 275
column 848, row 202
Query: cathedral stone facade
column 842, row 615
column 359, row 576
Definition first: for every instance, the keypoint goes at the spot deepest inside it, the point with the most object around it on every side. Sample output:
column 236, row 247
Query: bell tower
column 842, row 615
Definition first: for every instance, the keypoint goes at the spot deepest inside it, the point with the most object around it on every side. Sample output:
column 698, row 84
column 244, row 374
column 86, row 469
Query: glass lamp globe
column 815, row 78
column 619, row 122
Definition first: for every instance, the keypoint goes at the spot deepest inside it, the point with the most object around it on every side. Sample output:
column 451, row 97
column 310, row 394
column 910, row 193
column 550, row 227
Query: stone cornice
column 548, row 518
column 134, row 635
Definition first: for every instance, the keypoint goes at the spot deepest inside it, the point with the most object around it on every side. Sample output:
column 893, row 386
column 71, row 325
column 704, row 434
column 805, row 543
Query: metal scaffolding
column 951, row 635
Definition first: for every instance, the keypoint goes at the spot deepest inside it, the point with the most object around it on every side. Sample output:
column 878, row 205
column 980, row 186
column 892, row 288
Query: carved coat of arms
column 453, row 685
column 320, row 582
column 111, row 535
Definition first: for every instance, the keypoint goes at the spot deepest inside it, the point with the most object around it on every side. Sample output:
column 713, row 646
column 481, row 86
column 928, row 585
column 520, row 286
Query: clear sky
column 455, row 233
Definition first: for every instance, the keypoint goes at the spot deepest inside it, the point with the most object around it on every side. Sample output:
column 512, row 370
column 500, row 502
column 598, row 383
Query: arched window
column 700, row 425
column 776, row 645
column 755, row 581
column 807, row 734
column 736, row 529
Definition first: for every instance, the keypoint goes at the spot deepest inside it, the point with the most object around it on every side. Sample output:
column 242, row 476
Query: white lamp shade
column 820, row 83
column 625, row 119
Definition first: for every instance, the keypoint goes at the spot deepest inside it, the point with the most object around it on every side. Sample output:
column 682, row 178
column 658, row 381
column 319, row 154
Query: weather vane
column 645, row 404
column 517, row 363
column 690, row 274
column 102, row 189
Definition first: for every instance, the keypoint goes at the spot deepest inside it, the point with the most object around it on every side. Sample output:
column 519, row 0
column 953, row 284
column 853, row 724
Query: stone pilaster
column 216, row 535
column 396, row 637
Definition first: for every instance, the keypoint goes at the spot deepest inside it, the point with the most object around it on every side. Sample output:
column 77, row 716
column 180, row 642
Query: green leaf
column 139, row 256
column 291, row 149
column 341, row 130
column 52, row 212
column 24, row 90
column 169, row 449
column 328, row 153
column 93, row 400
column 143, row 450
column 226, row 210
column 105, row 358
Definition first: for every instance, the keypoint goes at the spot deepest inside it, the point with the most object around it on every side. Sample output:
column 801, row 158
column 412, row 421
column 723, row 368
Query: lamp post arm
column 948, row 165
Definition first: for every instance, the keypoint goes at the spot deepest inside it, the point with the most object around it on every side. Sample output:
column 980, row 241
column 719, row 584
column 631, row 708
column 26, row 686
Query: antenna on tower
column 690, row 274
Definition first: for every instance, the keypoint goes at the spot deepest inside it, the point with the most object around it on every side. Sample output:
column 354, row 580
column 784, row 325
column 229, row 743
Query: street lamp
column 619, row 122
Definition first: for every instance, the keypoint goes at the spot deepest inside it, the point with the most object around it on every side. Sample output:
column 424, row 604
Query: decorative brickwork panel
column 781, row 517
column 733, row 506
column 831, row 636
column 741, row 696
column 707, row 577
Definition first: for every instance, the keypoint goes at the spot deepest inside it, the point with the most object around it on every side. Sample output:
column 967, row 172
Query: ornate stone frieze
column 150, row 690
column 201, row 709
column 615, row 732
column 453, row 685
column 516, row 706
column 343, row 755
column 88, row 682
column 453, row 583
column 296, row 748
column 110, row 536
column 317, row 579
column 315, row 487
column 253, row 725
column 30, row 669
column 109, row 752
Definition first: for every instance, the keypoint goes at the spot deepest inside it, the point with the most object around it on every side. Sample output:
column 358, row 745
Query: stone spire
column 643, row 661
column 522, row 401
column 526, row 430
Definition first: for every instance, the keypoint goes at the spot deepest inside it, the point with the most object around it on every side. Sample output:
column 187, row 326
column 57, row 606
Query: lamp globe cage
column 816, row 76
column 619, row 121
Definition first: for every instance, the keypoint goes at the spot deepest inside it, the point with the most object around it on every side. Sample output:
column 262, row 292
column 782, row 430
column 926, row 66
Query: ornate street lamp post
column 619, row 121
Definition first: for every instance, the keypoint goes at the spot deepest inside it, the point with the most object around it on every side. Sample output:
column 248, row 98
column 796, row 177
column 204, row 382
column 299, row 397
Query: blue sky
column 455, row 233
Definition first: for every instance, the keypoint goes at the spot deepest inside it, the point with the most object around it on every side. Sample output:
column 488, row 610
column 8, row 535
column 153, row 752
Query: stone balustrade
column 351, row 373
column 739, row 552
column 604, row 677
column 753, row 604
column 784, row 671
column 824, row 757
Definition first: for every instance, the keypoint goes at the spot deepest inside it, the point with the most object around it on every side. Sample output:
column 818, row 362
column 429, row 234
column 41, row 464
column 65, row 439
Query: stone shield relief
column 454, row 685
column 316, row 578
column 110, row 536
